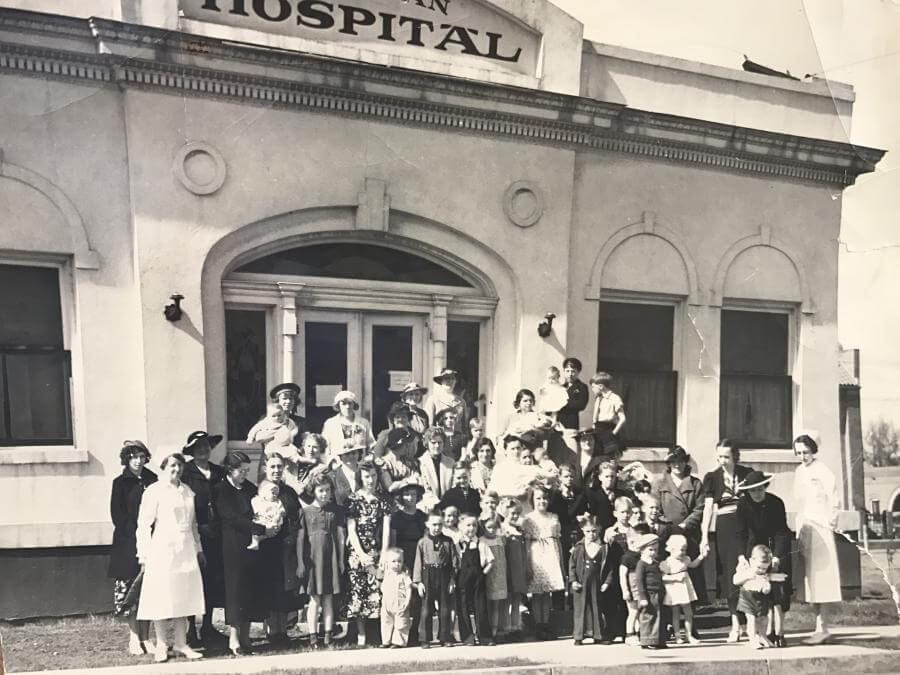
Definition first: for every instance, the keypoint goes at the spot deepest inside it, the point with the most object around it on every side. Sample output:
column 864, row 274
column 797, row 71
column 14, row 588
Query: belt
column 436, row 566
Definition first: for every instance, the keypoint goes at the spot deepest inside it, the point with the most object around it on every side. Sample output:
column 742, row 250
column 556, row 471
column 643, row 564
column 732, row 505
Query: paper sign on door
column 325, row 394
column 399, row 379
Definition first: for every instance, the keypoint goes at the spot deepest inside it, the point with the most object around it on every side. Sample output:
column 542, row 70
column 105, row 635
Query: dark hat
column 444, row 374
column 575, row 363
column 755, row 479
column 397, row 437
column 399, row 408
column 678, row 454
column 284, row 386
column 198, row 437
column 581, row 434
column 529, row 439
column 441, row 414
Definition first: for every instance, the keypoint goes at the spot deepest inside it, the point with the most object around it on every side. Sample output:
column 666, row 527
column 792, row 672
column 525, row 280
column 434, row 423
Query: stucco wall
column 705, row 214
column 73, row 139
column 281, row 162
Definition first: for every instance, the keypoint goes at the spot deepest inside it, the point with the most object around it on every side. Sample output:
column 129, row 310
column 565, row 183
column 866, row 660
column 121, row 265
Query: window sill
column 768, row 456
column 644, row 455
column 42, row 454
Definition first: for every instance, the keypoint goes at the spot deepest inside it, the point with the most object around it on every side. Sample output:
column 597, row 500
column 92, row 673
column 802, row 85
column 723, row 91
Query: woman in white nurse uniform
column 818, row 578
column 168, row 548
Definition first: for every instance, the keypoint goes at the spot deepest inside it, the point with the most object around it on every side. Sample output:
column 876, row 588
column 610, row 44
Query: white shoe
column 134, row 646
column 161, row 655
column 189, row 653
column 733, row 636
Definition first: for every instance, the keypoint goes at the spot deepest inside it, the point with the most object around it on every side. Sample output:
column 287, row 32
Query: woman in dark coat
column 244, row 592
column 278, row 555
column 720, row 490
column 124, row 504
column 202, row 476
column 761, row 519
column 681, row 501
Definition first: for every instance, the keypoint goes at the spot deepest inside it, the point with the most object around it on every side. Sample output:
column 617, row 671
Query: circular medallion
column 199, row 167
column 523, row 203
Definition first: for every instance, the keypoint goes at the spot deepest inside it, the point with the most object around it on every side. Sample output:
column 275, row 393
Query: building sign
column 457, row 27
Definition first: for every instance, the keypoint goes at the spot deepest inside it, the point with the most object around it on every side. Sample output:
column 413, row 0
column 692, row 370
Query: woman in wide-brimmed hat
column 407, row 528
column 443, row 397
column 202, row 476
column 347, row 425
column 761, row 519
column 680, row 497
column 124, row 504
column 412, row 395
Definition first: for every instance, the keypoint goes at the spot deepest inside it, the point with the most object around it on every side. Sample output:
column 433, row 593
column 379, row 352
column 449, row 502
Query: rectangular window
column 755, row 394
column 35, row 405
column 245, row 353
column 462, row 355
column 635, row 347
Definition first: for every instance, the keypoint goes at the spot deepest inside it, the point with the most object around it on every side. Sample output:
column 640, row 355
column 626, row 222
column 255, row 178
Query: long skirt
column 728, row 548
column 818, row 577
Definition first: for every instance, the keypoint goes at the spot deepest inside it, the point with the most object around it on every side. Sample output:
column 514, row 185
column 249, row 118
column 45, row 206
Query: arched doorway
column 347, row 312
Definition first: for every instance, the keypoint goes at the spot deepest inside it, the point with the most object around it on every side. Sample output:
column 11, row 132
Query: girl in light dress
column 680, row 591
column 545, row 573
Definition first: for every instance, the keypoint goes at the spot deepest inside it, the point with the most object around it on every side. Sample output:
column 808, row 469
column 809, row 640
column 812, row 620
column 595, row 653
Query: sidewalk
column 562, row 658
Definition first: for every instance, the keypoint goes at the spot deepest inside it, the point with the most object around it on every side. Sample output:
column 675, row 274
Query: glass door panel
column 463, row 341
column 245, row 355
column 393, row 357
column 329, row 346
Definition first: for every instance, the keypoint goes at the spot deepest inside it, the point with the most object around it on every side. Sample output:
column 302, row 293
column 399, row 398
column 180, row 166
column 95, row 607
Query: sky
column 851, row 41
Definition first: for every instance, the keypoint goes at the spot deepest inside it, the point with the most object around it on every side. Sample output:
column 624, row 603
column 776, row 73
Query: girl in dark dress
column 320, row 556
column 592, row 573
column 244, row 594
column 202, row 476
column 124, row 504
column 720, row 490
column 278, row 555
column 407, row 528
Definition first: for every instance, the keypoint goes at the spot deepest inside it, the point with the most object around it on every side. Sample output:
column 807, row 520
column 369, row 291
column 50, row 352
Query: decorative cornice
column 131, row 56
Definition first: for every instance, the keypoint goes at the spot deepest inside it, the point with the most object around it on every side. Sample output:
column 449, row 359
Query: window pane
column 30, row 312
column 326, row 364
column 754, row 342
column 355, row 261
column 649, row 400
column 245, row 348
column 391, row 350
column 756, row 410
column 462, row 356
column 635, row 337
column 38, row 386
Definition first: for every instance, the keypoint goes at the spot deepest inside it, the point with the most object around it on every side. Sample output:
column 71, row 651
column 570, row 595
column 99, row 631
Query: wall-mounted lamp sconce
column 545, row 326
column 173, row 311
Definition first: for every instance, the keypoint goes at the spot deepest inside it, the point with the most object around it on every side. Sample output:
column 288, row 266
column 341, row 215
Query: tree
column 883, row 440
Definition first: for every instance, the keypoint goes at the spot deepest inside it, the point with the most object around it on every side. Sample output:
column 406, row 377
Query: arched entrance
column 343, row 308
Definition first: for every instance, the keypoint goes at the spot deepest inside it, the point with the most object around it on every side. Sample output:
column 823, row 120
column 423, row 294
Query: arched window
column 355, row 261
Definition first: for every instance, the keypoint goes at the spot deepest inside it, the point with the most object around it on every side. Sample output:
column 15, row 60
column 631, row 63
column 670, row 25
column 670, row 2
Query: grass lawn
column 93, row 641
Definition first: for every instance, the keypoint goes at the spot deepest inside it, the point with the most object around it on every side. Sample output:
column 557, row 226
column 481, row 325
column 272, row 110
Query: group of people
column 434, row 518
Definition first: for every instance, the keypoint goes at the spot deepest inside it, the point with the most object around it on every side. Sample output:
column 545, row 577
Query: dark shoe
column 578, row 643
column 489, row 643
column 645, row 647
column 278, row 638
column 426, row 645
column 385, row 646
column 779, row 641
column 395, row 646
column 448, row 644
column 657, row 647
column 469, row 641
